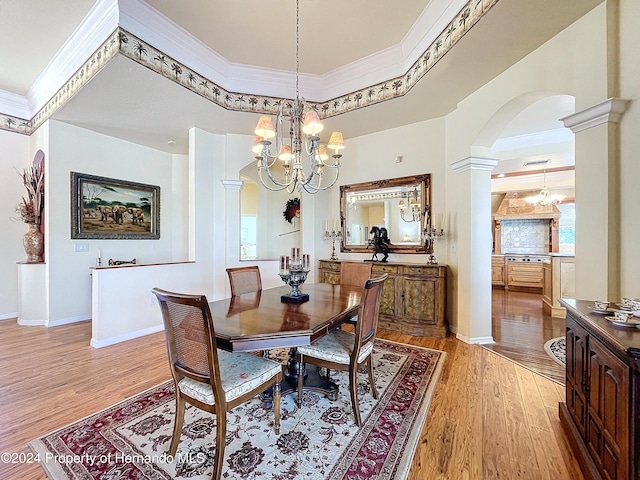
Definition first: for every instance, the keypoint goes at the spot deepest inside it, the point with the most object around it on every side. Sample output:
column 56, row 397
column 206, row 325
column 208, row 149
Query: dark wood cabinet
column 413, row 298
column 601, row 414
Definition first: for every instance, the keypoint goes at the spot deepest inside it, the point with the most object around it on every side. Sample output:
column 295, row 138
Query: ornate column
column 597, row 199
column 474, row 245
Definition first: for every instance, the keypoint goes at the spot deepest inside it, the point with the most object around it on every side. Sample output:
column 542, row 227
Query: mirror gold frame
column 401, row 205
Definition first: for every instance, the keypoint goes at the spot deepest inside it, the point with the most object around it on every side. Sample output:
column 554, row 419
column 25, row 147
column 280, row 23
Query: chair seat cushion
column 336, row 347
column 239, row 374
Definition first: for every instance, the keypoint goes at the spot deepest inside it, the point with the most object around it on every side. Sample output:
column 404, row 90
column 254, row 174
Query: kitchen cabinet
column 558, row 282
column 528, row 275
column 497, row 270
column 413, row 298
column 601, row 412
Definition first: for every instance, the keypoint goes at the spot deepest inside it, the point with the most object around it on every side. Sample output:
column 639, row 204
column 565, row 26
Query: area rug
column 556, row 348
column 319, row 440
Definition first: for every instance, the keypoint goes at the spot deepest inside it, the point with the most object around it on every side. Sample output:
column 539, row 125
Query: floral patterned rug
column 319, row 440
column 556, row 348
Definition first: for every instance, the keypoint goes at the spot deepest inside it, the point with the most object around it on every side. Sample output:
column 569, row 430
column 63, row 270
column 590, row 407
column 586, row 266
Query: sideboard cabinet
column 601, row 415
column 413, row 298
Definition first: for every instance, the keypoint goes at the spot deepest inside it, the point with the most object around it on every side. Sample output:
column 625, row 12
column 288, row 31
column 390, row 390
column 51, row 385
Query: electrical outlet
column 80, row 247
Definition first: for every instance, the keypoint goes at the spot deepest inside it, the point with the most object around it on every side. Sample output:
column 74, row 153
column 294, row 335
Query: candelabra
column 332, row 236
column 293, row 272
column 430, row 234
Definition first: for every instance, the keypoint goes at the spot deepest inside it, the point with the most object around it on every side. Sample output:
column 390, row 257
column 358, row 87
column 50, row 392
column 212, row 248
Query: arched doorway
column 532, row 148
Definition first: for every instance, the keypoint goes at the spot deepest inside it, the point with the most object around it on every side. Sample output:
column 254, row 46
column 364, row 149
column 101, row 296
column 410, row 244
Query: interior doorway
column 526, row 136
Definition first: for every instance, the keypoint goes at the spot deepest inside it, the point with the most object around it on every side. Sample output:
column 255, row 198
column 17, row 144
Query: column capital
column 610, row 110
column 474, row 163
column 232, row 184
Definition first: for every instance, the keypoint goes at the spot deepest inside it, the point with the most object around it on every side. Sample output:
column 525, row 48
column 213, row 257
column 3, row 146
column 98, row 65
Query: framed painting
column 106, row 208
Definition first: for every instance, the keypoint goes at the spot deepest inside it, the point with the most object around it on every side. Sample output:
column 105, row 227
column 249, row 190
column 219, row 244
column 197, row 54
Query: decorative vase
column 33, row 242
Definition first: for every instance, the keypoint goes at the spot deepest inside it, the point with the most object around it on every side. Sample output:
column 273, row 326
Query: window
column 567, row 228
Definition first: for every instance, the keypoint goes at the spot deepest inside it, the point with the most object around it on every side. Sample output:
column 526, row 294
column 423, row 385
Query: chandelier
column 411, row 212
column 544, row 198
column 296, row 140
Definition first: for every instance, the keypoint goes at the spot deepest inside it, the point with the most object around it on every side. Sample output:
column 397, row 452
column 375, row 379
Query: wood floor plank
column 495, row 452
column 521, row 448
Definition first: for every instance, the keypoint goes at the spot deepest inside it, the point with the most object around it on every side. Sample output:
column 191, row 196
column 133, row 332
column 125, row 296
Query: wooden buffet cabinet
column 601, row 415
column 413, row 298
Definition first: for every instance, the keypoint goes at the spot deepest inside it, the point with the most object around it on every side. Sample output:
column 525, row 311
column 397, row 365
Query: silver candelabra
column 293, row 272
column 332, row 236
column 430, row 234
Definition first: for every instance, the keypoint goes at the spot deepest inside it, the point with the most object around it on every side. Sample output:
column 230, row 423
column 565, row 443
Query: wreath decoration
column 292, row 209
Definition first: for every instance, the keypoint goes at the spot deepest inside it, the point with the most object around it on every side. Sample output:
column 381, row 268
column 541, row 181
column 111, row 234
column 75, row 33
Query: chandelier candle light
column 293, row 272
column 290, row 141
column 413, row 214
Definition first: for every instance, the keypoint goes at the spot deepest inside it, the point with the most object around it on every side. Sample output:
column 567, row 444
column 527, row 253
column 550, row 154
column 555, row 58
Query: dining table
column 262, row 321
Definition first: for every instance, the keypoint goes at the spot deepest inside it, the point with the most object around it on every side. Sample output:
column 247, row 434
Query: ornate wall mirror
column 401, row 205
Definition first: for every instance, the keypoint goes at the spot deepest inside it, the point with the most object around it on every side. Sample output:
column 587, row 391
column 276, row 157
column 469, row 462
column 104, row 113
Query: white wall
column 73, row 149
column 14, row 157
column 630, row 149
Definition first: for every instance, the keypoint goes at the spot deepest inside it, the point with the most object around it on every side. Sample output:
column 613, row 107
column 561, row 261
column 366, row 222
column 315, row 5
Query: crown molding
column 14, row 104
column 433, row 20
column 139, row 32
column 474, row 163
column 100, row 22
column 610, row 110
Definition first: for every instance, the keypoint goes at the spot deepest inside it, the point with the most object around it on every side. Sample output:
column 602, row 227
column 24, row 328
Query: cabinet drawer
column 525, row 269
column 516, row 280
column 432, row 271
column 329, row 265
column 384, row 269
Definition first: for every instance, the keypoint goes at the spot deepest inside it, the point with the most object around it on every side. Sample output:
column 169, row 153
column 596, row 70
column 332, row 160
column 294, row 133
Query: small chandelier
column 412, row 212
column 544, row 198
column 292, row 144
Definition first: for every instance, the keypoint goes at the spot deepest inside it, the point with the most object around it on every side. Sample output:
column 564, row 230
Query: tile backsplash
column 525, row 236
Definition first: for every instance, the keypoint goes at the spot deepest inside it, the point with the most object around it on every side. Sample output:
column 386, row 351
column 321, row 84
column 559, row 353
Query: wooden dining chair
column 244, row 280
column 341, row 350
column 354, row 273
column 210, row 379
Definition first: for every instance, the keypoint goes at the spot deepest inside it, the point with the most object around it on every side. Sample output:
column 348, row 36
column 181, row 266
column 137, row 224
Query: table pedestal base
column 313, row 381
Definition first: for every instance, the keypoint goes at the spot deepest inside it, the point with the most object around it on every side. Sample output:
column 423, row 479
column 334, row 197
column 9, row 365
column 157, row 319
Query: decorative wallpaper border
column 127, row 44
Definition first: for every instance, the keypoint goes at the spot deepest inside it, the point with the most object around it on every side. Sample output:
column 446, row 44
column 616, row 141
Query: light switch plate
column 80, row 247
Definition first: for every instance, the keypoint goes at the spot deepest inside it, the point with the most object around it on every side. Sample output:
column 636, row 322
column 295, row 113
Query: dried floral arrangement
column 32, row 206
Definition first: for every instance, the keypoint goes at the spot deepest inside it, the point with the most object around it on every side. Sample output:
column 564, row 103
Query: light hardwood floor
column 520, row 329
column 489, row 417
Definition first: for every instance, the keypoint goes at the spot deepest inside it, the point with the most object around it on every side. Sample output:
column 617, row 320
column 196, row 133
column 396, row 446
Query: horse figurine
column 380, row 241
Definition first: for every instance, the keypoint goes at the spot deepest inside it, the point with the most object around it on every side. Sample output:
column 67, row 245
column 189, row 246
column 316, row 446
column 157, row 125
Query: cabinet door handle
column 613, row 376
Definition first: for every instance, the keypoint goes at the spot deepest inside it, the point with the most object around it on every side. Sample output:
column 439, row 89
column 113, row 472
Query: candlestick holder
column 295, row 276
column 430, row 235
column 332, row 236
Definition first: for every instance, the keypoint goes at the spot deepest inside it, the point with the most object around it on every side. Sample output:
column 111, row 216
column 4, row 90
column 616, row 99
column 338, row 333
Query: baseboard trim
column 9, row 316
column 31, row 323
column 474, row 340
column 123, row 338
column 65, row 321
